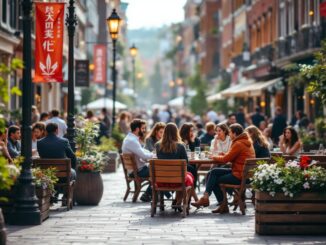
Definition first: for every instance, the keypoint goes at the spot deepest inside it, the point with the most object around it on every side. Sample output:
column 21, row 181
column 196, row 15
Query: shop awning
column 237, row 90
column 214, row 97
column 255, row 89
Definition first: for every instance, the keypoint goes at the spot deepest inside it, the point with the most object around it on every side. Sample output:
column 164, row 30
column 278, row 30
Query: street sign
column 82, row 73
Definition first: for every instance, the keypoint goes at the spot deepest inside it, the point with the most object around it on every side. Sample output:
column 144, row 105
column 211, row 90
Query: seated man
column 132, row 145
column 240, row 150
column 13, row 144
column 207, row 137
column 53, row 146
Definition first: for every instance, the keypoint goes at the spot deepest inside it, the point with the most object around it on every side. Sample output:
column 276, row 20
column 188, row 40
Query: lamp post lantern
column 71, row 22
column 133, row 52
column 113, row 25
column 26, row 211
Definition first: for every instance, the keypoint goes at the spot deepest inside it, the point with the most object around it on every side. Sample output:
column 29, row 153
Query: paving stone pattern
column 118, row 222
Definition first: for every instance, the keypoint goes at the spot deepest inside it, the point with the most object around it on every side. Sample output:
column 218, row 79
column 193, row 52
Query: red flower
column 305, row 161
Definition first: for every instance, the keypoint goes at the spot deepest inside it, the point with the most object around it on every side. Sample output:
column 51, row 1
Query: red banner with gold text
column 49, row 42
column 100, row 63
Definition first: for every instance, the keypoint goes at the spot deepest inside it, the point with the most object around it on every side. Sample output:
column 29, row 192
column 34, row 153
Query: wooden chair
column 171, row 174
column 130, row 170
column 240, row 190
column 63, row 167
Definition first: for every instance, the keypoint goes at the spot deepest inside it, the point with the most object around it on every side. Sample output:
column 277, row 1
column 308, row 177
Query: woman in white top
column 290, row 143
column 222, row 141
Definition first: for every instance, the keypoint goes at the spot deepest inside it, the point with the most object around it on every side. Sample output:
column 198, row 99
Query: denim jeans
column 144, row 173
column 217, row 176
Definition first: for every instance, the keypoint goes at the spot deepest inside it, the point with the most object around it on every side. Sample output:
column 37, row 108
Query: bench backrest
column 168, row 171
column 63, row 166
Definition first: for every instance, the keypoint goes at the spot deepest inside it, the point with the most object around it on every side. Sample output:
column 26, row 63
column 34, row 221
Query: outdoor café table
column 199, row 162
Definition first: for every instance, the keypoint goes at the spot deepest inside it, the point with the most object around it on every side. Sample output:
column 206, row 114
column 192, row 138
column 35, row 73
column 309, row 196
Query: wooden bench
column 63, row 167
column 130, row 171
column 171, row 175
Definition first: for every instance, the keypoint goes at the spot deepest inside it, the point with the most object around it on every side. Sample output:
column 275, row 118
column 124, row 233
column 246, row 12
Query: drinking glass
column 197, row 152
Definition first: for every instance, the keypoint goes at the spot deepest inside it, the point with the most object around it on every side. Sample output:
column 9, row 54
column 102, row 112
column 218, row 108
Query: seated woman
column 240, row 150
column 171, row 147
column 190, row 140
column 290, row 143
column 188, row 137
column 3, row 146
column 154, row 136
column 261, row 145
column 222, row 141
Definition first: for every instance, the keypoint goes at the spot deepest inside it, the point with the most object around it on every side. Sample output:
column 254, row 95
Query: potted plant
column 44, row 180
column 109, row 149
column 290, row 197
column 89, row 183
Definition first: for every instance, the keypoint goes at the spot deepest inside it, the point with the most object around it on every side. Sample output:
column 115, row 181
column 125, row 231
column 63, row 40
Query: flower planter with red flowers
column 89, row 184
column 290, row 198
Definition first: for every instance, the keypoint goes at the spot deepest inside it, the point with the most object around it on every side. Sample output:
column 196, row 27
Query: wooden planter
column 44, row 202
column 113, row 162
column 89, row 188
column 304, row 214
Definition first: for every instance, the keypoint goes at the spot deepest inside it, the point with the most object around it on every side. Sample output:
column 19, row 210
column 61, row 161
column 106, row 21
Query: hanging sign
column 49, row 42
column 82, row 73
column 100, row 63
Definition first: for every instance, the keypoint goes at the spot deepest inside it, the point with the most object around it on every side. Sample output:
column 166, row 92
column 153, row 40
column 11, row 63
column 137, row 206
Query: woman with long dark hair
column 188, row 136
column 290, row 143
column 154, row 136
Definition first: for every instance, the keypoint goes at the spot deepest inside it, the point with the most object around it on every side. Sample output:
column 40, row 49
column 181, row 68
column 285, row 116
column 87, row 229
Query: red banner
column 49, row 42
column 323, row 9
column 100, row 63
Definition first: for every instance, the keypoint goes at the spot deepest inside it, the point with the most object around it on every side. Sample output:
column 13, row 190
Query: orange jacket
column 241, row 149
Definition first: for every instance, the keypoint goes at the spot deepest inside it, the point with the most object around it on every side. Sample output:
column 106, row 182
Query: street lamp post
column 26, row 211
column 113, row 24
column 133, row 52
column 71, row 22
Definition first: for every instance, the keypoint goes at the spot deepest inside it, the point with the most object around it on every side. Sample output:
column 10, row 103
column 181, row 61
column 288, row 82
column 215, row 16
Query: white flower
column 306, row 185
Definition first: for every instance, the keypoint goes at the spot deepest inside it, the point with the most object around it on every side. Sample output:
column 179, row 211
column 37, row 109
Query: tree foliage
column 316, row 75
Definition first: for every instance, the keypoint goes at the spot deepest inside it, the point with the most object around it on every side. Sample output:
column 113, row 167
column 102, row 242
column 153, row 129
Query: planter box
column 304, row 214
column 44, row 198
column 113, row 162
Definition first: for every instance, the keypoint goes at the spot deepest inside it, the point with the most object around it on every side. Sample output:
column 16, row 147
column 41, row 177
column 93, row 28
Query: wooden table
column 204, row 161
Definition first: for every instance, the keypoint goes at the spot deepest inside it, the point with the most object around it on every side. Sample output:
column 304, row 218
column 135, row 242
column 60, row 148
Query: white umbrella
column 105, row 102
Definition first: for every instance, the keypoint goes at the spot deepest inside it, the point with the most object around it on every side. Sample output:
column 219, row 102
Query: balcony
column 298, row 45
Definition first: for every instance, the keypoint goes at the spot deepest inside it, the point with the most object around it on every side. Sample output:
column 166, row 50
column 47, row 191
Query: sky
column 154, row 13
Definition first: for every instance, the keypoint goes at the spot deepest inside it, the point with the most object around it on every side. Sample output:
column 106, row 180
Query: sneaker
column 145, row 198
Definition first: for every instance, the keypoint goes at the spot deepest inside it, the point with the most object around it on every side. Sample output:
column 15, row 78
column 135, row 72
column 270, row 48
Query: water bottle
column 321, row 149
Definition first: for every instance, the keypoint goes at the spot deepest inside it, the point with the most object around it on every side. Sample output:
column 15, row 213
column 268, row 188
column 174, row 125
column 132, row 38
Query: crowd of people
column 169, row 135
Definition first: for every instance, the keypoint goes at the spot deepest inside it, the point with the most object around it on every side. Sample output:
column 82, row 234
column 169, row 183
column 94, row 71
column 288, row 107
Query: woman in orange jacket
column 240, row 150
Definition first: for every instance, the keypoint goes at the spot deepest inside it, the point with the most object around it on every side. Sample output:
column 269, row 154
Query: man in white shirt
column 62, row 126
column 211, row 115
column 132, row 145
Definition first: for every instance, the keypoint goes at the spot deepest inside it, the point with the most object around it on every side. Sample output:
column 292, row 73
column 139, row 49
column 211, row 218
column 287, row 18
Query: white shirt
column 62, row 126
column 132, row 145
column 221, row 146
column 164, row 116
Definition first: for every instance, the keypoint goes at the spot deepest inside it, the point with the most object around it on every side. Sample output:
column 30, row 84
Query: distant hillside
column 147, row 41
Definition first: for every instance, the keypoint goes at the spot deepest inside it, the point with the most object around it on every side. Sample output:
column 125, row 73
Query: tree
column 198, row 103
column 316, row 74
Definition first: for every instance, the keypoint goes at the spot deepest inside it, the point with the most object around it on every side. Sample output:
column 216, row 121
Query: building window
column 13, row 6
column 282, row 27
column 4, row 11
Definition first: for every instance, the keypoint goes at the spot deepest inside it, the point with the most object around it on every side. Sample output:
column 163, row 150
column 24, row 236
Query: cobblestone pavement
column 118, row 222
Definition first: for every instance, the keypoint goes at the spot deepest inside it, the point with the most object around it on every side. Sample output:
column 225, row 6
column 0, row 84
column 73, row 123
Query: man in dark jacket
column 279, row 124
column 257, row 117
column 53, row 146
column 13, row 144
column 207, row 137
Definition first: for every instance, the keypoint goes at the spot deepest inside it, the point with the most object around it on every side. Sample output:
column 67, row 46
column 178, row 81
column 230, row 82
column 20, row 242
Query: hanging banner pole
column 49, row 42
